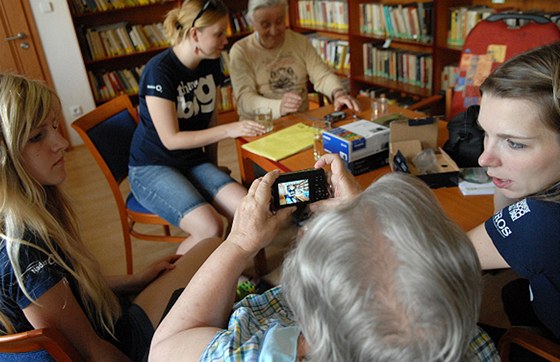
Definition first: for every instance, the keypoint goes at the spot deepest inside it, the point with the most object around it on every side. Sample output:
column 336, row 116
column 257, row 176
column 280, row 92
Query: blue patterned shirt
column 255, row 321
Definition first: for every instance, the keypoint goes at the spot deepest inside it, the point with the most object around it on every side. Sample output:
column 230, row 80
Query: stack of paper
column 473, row 188
column 282, row 144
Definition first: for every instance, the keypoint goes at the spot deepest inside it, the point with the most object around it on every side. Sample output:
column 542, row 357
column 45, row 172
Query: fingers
column 329, row 159
column 347, row 101
column 290, row 102
column 263, row 190
column 252, row 128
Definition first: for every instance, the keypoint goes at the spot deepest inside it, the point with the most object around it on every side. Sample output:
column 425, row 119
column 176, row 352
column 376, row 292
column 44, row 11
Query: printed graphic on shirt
column 36, row 266
column 282, row 79
column 196, row 97
column 518, row 209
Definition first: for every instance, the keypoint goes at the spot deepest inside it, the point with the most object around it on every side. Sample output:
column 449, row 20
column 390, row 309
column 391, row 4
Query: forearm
column 323, row 78
column 211, row 150
column 194, row 139
column 208, row 298
column 123, row 284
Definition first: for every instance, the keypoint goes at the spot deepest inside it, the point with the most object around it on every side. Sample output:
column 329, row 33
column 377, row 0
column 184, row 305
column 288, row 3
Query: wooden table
column 466, row 211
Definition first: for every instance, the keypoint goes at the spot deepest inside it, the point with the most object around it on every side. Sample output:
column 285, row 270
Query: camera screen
column 293, row 192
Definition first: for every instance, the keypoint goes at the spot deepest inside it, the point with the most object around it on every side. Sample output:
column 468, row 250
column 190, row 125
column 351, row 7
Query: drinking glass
column 263, row 115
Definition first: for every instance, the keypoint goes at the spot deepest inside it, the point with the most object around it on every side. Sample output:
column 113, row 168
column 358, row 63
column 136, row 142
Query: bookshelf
column 413, row 39
column 118, row 37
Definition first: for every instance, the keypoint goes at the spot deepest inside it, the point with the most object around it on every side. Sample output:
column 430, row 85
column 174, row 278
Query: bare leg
column 201, row 223
column 154, row 298
column 228, row 198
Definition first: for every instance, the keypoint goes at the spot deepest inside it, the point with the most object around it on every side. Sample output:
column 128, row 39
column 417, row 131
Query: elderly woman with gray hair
column 272, row 66
column 371, row 279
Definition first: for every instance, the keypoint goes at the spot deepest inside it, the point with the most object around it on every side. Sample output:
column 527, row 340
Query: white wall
column 64, row 58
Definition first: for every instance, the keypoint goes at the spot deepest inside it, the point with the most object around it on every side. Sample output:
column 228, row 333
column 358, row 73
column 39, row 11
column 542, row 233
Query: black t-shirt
column 40, row 273
column 194, row 93
column 527, row 235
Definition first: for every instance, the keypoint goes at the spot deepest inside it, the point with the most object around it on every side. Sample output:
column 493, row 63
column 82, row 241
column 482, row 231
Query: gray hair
column 255, row 5
column 387, row 277
column 533, row 76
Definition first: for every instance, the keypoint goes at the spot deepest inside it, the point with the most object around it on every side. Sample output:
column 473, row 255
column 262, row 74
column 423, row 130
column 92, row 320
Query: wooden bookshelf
column 434, row 44
column 87, row 14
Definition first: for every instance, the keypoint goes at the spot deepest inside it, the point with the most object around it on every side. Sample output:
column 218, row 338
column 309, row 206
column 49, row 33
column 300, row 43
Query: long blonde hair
column 27, row 207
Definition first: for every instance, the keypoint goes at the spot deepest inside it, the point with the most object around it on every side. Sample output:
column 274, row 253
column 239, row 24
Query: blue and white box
column 356, row 140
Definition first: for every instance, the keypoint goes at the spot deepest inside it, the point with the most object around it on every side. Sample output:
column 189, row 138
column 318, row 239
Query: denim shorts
column 171, row 193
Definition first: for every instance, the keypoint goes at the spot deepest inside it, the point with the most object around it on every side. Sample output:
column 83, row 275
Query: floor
column 101, row 231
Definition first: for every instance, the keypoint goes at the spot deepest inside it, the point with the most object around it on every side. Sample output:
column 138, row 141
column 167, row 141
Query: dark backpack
column 466, row 138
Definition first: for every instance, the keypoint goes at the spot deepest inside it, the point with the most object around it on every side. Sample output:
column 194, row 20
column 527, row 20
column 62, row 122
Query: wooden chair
column 37, row 345
column 530, row 340
column 107, row 133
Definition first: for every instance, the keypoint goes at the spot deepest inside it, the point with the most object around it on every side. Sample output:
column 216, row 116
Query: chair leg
column 128, row 248
column 166, row 230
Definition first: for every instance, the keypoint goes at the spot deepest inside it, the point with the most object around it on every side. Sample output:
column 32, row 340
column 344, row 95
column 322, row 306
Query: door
column 20, row 48
column 19, row 44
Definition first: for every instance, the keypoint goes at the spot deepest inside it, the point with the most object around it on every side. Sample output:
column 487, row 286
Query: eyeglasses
column 207, row 5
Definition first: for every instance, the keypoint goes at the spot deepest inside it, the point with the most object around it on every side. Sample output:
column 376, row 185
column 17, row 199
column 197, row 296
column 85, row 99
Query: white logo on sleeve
column 518, row 209
column 501, row 224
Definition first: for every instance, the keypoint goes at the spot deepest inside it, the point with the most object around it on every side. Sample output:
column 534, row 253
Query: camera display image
column 293, row 192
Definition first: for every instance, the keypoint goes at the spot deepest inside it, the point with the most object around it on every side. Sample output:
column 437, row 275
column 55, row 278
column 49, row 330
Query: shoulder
column 244, row 45
column 481, row 348
column 294, row 38
column 39, row 271
column 249, row 323
column 526, row 216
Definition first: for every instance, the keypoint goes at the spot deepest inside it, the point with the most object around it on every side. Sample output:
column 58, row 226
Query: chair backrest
column 107, row 132
column 489, row 44
column 44, row 344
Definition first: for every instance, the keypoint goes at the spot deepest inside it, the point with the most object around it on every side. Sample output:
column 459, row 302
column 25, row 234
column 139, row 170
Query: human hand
column 290, row 103
column 254, row 225
column 342, row 99
column 244, row 128
column 343, row 184
column 141, row 279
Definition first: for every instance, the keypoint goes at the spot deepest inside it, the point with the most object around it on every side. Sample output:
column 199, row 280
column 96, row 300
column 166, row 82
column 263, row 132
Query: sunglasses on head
column 209, row 4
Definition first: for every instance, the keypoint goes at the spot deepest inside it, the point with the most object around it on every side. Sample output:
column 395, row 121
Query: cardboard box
column 362, row 144
column 410, row 137
column 356, row 140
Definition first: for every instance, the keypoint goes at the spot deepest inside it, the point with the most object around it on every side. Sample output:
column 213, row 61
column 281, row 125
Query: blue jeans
column 172, row 194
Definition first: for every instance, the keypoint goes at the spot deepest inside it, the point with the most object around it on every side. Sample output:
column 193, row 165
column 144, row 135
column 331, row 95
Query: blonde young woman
column 48, row 278
column 173, row 156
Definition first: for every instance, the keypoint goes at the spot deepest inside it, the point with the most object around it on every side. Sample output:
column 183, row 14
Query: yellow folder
column 284, row 143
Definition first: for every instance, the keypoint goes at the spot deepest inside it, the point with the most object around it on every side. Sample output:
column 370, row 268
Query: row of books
column 238, row 23
column 109, row 84
column 335, row 52
column 463, row 19
column 224, row 58
column 449, row 76
column 226, row 101
column 329, row 15
column 81, row 7
column 122, row 38
column 398, row 65
column 412, row 21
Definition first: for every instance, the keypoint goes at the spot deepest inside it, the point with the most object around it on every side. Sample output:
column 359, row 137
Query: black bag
column 466, row 138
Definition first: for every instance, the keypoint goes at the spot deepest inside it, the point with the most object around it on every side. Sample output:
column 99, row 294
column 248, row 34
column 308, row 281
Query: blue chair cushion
column 35, row 356
column 134, row 205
